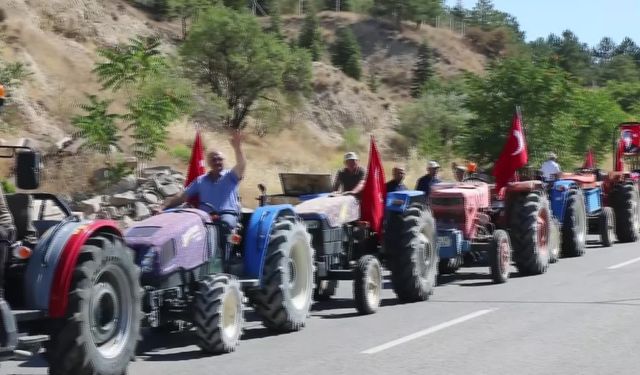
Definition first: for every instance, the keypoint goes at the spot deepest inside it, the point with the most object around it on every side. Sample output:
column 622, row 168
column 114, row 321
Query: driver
column 217, row 190
column 550, row 168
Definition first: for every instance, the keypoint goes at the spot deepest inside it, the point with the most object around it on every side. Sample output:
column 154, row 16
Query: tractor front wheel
column 285, row 298
column 500, row 256
column 607, row 227
column 102, row 325
column 625, row 201
column 367, row 284
column 324, row 290
column 574, row 226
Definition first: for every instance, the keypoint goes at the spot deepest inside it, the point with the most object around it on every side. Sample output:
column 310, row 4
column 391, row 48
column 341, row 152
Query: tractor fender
column 560, row 192
column 257, row 236
column 50, row 268
column 399, row 201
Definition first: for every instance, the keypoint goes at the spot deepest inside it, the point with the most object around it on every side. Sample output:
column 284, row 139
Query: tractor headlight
column 149, row 261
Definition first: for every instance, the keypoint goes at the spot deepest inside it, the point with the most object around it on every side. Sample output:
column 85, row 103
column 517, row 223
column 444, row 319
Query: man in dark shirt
column 425, row 182
column 396, row 184
column 351, row 178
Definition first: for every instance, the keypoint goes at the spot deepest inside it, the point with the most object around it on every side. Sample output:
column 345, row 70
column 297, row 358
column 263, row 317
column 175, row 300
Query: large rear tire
column 284, row 300
column 218, row 315
column 574, row 226
column 530, row 233
column 367, row 284
column 500, row 256
column 607, row 223
column 102, row 325
column 625, row 200
column 413, row 255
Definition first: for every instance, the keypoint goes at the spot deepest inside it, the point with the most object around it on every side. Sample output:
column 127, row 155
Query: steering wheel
column 476, row 178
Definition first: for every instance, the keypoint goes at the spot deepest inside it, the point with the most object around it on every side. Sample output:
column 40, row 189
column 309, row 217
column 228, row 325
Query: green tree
column 235, row 4
column 228, row 52
column 423, row 70
column 131, row 63
column 625, row 93
column 407, row 10
column 605, row 49
column 97, row 126
column 310, row 37
column 187, row 10
column 621, row 68
column 433, row 122
column 345, row 5
column 13, row 74
column 275, row 26
column 297, row 73
column 543, row 91
column 345, row 53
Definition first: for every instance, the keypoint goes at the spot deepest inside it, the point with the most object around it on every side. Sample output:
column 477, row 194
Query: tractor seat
column 21, row 207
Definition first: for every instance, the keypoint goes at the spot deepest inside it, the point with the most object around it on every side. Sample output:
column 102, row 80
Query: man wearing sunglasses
column 217, row 190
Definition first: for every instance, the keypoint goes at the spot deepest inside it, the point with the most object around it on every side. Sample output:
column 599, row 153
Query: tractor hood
column 172, row 240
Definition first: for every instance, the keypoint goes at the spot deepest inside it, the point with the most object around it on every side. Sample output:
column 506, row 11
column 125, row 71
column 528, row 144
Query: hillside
column 57, row 40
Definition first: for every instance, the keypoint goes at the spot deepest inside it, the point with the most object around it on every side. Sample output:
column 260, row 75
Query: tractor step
column 27, row 315
column 31, row 340
column 249, row 283
column 339, row 275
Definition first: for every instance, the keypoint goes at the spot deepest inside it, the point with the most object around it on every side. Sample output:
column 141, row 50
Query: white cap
column 552, row 155
column 350, row 156
column 433, row 164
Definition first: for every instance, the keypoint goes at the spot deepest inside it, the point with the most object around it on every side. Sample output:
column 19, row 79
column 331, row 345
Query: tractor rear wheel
column 414, row 258
column 102, row 325
column 367, row 284
column 284, row 300
column 500, row 256
column 530, row 233
column 218, row 314
column 607, row 227
column 625, row 201
column 574, row 226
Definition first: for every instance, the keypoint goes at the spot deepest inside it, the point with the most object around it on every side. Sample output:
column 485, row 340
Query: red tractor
column 71, row 284
column 621, row 186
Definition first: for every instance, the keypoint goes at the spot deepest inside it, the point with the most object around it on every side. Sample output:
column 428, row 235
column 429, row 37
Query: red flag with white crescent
column 374, row 191
column 513, row 156
column 196, row 165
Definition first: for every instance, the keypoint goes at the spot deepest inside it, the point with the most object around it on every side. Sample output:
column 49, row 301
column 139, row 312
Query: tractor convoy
column 84, row 291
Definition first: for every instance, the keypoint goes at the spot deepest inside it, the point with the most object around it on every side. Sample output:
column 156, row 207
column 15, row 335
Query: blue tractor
column 346, row 248
column 576, row 203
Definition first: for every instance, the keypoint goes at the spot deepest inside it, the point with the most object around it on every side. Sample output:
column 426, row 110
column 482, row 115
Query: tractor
column 196, row 271
column 72, row 284
column 348, row 249
column 576, row 202
column 465, row 227
column 621, row 186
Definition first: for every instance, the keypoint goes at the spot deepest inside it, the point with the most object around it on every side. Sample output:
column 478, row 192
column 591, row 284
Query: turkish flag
column 374, row 191
column 513, row 156
column 196, row 165
column 589, row 160
column 619, row 156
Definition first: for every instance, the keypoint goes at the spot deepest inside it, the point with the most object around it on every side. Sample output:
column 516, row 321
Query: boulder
column 141, row 211
column 123, row 199
column 91, row 206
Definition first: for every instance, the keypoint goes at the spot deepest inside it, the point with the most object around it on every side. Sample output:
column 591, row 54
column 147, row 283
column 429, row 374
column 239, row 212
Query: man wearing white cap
column 550, row 168
column 425, row 182
column 351, row 178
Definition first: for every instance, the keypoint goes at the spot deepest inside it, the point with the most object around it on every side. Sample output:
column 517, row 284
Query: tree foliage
column 187, row 10
column 228, row 53
column 345, row 53
column 310, row 37
column 423, row 70
column 97, row 126
column 417, row 11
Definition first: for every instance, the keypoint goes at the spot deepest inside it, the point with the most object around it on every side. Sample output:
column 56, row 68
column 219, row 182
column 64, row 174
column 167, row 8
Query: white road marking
column 620, row 265
column 427, row 331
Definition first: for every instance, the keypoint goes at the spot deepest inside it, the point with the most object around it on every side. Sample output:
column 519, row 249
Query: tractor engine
column 460, row 215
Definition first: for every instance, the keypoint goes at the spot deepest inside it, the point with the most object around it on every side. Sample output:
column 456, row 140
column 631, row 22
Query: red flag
column 589, row 160
column 619, row 156
column 196, row 165
column 374, row 191
column 513, row 156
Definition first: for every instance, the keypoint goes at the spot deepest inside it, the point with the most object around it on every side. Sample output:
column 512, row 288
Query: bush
column 181, row 152
column 345, row 53
column 7, row 187
column 351, row 139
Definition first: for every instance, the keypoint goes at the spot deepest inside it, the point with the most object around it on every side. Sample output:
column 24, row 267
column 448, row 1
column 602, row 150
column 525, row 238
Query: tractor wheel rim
column 636, row 216
column 230, row 314
column 543, row 231
column 424, row 251
column 298, row 270
column 373, row 285
column 581, row 227
column 110, row 311
column 505, row 256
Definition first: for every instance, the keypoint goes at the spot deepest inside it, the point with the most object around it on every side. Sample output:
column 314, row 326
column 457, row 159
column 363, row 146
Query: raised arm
column 174, row 201
column 241, row 162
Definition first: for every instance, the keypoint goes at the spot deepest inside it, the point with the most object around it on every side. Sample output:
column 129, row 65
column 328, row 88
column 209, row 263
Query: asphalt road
column 581, row 317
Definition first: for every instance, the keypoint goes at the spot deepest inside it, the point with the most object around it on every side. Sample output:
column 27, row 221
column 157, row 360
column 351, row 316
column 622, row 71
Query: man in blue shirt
column 217, row 190
column 425, row 182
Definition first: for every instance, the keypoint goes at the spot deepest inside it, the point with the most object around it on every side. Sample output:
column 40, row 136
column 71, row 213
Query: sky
column 590, row 20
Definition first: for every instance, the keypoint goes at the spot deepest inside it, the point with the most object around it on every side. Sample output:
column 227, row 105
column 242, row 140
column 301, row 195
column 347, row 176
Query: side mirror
column 28, row 169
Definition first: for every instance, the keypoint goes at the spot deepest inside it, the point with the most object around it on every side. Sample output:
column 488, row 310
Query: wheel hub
column 543, row 232
column 297, row 267
column 504, row 256
column 373, row 286
column 105, row 312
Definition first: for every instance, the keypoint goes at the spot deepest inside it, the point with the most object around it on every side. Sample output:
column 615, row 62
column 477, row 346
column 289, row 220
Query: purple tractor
column 196, row 270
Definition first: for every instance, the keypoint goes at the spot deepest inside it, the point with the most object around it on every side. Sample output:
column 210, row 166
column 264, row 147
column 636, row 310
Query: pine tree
column 345, row 53
column 423, row 71
column 276, row 20
column 345, row 5
column 373, row 82
column 310, row 37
